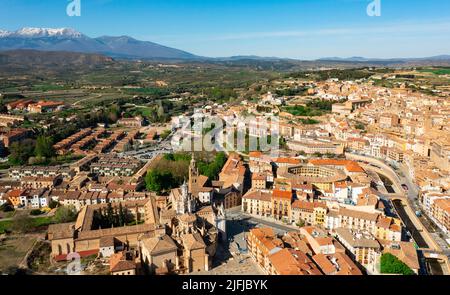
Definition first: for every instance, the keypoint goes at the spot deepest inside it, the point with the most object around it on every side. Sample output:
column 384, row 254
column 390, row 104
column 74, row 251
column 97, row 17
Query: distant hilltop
column 125, row 47
column 66, row 39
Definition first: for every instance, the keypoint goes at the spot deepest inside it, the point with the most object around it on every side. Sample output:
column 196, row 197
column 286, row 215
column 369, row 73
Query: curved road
column 405, row 197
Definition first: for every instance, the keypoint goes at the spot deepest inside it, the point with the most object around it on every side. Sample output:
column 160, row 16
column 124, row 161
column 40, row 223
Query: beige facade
column 281, row 205
column 257, row 203
column 195, row 256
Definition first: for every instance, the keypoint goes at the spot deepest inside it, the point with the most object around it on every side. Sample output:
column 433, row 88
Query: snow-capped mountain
column 41, row 32
column 48, row 32
column 4, row 33
column 66, row 39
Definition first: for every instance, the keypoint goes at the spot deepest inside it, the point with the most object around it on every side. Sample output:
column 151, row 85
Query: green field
column 47, row 87
column 443, row 71
column 42, row 221
column 37, row 222
column 144, row 111
column 4, row 225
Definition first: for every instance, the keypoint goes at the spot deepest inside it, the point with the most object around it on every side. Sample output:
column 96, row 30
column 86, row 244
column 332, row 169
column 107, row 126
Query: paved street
column 232, row 257
column 241, row 264
column 251, row 221
column 436, row 233
column 430, row 234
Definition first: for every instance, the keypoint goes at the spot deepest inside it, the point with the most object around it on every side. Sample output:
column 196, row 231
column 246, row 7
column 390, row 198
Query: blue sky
column 305, row 29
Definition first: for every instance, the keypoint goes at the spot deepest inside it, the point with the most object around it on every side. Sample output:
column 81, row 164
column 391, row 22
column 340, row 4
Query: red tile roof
column 351, row 166
column 282, row 194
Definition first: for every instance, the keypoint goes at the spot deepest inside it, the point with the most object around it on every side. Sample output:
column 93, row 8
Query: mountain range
column 46, row 39
column 364, row 59
column 70, row 40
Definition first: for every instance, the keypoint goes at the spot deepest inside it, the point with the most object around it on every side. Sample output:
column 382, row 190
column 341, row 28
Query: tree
column 122, row 217
column 161, row 112
column 301, row 223
column 212, row 169
column 116, row 221
column 109, row 215
column 390, row 264
column 53, row 204
column 113, row 113
column 22, row 223
column 36, row 212
column 20, row 152
column 6, row 207
column 159, row 181
column 283, row 143
column 102, row 217
column 44, row 147
column 3, row 108
column 169, row 157
column 65, row 214
column 360, row 126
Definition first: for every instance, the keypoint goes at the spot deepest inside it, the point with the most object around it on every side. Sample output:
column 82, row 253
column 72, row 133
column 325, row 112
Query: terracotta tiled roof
column 61, row 231
column 193, row 241
column 282, row 194
column 337, row 264
column 15, row 193
column 123, row 265
column 351, row 166
column 262, row 232
column 358, row 214
column 288, row 161
column 306, row 205
column 159, row 244
column 258, row 195
column 107, row 241
column 255, row 154
column 293, row 262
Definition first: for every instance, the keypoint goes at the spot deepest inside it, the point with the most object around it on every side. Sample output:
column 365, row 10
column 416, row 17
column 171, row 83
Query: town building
column 362, row 247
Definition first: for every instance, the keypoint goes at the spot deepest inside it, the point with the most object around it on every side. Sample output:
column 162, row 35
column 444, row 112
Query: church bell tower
column 193, row 172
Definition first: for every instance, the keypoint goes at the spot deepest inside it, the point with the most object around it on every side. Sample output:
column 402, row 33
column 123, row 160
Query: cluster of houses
column 173, row 234
column 30, row 106
column 313, row 251
column 333, row 196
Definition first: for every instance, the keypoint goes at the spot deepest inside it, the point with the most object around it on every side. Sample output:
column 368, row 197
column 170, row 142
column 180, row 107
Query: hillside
column 45, row 39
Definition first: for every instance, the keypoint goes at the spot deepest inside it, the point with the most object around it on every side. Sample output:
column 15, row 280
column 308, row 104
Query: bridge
column 442, row 257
